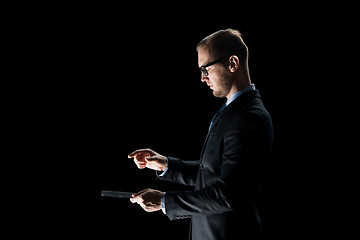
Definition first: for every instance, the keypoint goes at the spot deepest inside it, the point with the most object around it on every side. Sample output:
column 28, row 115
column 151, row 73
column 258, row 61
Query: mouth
column 210, row 86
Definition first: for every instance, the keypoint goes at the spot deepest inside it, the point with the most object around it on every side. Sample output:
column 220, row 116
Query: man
column 228, row 176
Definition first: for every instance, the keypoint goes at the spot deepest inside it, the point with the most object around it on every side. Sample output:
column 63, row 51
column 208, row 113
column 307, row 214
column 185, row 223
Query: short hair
column 226, row 42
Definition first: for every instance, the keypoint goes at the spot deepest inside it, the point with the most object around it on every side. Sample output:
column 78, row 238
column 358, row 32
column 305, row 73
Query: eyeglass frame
column 204, row 71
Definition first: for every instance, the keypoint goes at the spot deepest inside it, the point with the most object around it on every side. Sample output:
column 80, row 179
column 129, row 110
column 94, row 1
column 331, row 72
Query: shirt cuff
column 163, row 203
column 167, row 167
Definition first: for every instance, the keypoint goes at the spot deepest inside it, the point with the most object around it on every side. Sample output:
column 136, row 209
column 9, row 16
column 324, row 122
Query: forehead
column 204, row 56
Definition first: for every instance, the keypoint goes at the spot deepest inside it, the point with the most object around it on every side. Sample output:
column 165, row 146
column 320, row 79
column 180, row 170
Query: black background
column 146, row 93
column 123, row 79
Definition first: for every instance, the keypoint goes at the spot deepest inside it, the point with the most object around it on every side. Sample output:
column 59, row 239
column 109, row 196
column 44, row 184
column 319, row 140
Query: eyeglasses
column 204, row 71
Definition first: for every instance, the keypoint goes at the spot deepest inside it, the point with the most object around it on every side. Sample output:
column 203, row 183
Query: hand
column 148, row 199
column 150, row 159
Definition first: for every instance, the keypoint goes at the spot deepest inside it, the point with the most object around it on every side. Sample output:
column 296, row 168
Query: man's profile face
column 219, row 78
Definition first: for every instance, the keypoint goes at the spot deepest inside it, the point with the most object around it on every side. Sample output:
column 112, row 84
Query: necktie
column 212, row 121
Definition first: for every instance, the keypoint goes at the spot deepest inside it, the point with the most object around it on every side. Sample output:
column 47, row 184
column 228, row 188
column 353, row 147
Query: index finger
column 131, row 155
column 141, row 192
column 136, row 197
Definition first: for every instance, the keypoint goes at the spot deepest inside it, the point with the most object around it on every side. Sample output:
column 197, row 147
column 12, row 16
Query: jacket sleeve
column 180, row 171
column 242, row 160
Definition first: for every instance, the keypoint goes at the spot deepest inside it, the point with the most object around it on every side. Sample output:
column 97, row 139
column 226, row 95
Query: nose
column 204, row 78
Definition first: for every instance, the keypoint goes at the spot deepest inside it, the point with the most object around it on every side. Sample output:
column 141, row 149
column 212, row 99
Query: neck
column 239, row 83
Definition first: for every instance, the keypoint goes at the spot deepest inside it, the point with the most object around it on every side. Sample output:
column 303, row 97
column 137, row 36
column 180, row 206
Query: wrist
column 165, row 165
column 163, row 203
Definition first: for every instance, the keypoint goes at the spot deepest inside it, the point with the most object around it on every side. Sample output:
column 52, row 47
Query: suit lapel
column 216, row 120
column 240, row 100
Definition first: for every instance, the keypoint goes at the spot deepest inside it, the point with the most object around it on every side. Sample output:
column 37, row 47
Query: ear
column 234, row 63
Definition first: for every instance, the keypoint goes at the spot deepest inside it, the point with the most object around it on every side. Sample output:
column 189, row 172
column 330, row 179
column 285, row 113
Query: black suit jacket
column 227, row 178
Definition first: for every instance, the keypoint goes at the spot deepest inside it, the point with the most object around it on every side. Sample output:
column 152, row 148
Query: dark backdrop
column 131, row 82
column 145, row 92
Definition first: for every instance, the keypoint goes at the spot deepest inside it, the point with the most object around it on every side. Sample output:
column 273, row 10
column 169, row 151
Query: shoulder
column 252, row 114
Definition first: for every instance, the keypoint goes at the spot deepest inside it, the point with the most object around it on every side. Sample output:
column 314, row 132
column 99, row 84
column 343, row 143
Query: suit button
column 201, row 165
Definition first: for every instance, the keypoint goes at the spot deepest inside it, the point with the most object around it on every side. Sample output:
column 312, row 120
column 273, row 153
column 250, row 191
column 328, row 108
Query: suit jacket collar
column 241, row 100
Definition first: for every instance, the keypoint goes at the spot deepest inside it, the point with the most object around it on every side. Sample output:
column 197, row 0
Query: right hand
column 148, row 158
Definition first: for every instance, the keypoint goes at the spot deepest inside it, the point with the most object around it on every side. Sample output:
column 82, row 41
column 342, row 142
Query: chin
column 218, row 94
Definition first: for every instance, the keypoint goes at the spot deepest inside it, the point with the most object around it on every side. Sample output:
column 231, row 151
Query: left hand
column 148, row 199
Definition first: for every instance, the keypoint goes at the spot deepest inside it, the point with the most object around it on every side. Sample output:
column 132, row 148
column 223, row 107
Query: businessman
column 228, row 176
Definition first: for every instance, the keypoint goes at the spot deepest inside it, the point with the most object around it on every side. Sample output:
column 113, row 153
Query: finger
column 140, row 165
column 138, row 161
column 138, row 197
column 148, row 207
column 141, row 192
column 131, row 155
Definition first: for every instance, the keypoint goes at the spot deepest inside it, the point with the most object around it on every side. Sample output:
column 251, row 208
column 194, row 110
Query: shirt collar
column 240, row 92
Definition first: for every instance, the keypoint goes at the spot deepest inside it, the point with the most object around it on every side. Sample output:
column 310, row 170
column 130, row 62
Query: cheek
column 215, row 76
column 214, row 80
